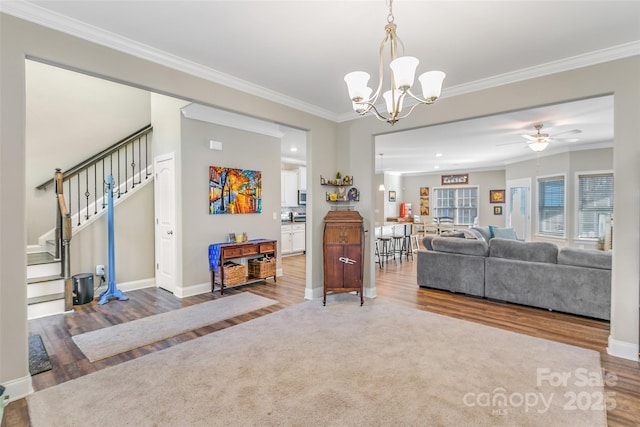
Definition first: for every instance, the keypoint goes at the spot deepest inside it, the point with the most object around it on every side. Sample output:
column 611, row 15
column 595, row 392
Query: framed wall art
column 496, row 196
column 497, row 210
column 234, row 191
column 460, row 179
column 392, row 196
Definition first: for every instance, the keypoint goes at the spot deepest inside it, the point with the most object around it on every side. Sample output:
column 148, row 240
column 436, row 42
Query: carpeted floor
column 106, row 342
column 340, row 365
column 38, row 356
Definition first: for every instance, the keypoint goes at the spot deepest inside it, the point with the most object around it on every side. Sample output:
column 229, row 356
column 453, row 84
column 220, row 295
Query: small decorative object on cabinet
column 340, row 193
column 343, row 252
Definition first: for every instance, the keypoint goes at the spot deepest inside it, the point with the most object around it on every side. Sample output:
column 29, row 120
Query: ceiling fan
column 540, row 141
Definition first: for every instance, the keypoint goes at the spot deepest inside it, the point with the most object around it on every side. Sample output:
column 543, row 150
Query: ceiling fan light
column 357, row 85
column 538, row 146
column 431, row 82
column 404, row 71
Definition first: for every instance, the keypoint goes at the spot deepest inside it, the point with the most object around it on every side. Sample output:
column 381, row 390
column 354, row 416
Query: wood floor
column 396, row 283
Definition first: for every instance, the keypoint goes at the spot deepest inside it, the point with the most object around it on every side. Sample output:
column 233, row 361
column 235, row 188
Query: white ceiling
column 297, row 52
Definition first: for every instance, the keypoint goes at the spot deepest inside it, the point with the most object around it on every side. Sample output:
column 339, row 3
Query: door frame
column 520, row 183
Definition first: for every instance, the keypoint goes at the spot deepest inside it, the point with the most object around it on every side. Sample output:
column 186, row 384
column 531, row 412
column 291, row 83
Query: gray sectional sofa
column 538, row 274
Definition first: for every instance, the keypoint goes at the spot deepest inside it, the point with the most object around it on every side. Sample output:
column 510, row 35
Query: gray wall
column 133, row 236
column 589, row 81
column 484, row 180
column 569, row 165
column 70, row 117
column 355, row 140
column 19, row 39
column 242, row 150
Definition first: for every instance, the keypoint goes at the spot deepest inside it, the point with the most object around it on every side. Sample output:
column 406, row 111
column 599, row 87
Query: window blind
column 595, row 198
column 551, row 206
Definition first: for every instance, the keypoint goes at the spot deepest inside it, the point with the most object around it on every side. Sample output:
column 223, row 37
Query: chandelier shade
column 401, row 79
column 404, row 71
column 431, row 82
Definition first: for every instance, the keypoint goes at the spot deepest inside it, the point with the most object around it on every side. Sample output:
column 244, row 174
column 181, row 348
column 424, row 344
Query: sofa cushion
column 523, row 251
column 426, row 242
column 484, row 231
column 503, row 233
column 460, row 246
column 452, row 233
column 473, row 233
column 585, row 258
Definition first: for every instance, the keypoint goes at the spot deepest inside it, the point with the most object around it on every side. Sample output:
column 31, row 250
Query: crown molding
column 234, row 120
column 566, row 64
column 74, row 27
column 47, row 18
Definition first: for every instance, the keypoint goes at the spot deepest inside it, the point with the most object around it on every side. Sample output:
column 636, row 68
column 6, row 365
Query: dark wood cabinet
column 343, row 253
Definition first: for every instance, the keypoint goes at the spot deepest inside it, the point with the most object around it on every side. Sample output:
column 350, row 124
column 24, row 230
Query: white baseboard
column 136, row 284
column 189, row 291
column 370, row 292
column 622, row 349
column 18, row 388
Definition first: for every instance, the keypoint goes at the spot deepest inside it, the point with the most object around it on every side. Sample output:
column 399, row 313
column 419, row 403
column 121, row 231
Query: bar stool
column 377, row 254
column 398, row 246
column 386, row 249
column 413, row 246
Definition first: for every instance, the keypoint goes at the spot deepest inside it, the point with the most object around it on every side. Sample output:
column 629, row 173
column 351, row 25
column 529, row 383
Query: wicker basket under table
column 234, row 274
column 261, row 268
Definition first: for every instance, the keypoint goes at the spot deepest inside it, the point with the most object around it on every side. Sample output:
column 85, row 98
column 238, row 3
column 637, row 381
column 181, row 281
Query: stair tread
column 37, row 258
column 45, row 298
column 33, row 280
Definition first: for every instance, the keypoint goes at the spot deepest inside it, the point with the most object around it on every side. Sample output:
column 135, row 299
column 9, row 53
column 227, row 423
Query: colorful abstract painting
column 234, row 191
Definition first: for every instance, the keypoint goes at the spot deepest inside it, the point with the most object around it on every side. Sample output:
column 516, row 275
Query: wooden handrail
column 101, row 155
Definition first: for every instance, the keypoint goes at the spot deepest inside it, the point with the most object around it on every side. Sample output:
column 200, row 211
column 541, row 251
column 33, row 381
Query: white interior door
column 164, row 195
column 519, row 207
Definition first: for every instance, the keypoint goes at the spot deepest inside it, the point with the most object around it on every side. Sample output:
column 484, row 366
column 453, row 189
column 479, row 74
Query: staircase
column 45, row 285
column 129, row 161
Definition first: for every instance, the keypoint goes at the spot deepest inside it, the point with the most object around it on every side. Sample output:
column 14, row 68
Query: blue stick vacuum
column 112, row 292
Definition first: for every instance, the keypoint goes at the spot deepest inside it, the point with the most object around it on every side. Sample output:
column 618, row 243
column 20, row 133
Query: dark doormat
column 38, row 357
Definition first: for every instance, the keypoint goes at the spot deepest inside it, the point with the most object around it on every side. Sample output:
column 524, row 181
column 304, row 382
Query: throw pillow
column 474, row 234
column 505, row 233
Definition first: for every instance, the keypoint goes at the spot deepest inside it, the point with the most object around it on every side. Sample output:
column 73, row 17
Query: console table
column 221, row 252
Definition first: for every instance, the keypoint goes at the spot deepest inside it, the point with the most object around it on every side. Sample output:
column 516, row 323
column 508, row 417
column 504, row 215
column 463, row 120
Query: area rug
column 38, row 356
column 340, row 365
column 106, row 342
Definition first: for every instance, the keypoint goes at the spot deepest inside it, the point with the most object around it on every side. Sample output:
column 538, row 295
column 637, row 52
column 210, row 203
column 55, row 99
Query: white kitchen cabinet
column 292, row 238
column 298, row 243
column 288, row 188
column 302, row 178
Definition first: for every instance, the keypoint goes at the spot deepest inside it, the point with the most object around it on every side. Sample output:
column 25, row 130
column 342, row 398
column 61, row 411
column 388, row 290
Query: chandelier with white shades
column 402, row 76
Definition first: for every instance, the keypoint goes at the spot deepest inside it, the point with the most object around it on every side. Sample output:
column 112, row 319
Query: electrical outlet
column 99, row 270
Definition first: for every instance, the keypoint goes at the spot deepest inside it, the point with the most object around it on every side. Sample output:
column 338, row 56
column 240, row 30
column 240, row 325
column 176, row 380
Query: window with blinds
column 551, row 210
column 458, row 204
column 595, row 198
